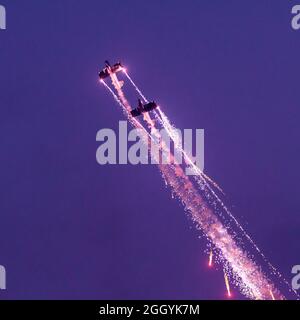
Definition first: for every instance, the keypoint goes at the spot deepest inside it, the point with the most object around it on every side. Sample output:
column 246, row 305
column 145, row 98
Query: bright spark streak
column 272, row 295
column 227, row 284
column 210, row 259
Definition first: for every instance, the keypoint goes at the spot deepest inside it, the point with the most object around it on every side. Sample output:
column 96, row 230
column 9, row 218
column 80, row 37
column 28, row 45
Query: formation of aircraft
column 142, row 107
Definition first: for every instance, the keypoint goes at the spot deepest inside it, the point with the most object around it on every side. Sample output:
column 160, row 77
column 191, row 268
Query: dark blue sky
column 70, row 228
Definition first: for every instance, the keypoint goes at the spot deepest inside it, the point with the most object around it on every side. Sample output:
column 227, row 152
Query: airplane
column 143, row 108
column 108, row 70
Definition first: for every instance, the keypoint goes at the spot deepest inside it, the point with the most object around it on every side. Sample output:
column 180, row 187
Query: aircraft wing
column 135, row 112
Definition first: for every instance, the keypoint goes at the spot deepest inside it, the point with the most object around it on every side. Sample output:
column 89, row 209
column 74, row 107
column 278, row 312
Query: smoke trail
column 245, row 273
column 113, row 94
column 228, row 212
column 210, row 194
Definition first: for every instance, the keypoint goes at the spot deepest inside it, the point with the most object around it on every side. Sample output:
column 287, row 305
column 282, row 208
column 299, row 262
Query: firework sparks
column 227, row 284
column 210, row 259
column 272, row 295
column 245, row 273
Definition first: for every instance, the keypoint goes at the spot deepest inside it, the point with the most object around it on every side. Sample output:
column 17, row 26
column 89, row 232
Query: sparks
column 210, row 259
column 272, row 295
column 227, row 284
column 245, row 272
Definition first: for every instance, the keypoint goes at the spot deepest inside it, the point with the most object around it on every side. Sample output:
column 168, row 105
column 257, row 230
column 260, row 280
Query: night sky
column 70, row 228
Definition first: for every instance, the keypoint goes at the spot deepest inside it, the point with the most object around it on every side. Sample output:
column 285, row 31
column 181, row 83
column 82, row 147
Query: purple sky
column 70, row 228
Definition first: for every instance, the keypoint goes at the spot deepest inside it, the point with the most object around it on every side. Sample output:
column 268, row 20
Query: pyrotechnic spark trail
column 251, row 281
column 272, row 295
column 202, row 179
column 167, row 124
column 245, row 273
column 227, row 284
column 112, row 93
column 210, row 258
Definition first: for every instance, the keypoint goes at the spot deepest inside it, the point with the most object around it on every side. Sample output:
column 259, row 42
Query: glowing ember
column 227, row 284
column 210, row 259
